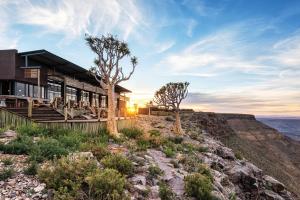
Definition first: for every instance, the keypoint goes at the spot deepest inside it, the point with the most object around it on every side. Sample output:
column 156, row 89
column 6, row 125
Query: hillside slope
column 276, row 154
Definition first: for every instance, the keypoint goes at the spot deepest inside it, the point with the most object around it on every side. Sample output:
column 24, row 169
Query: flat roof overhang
column 66, row 67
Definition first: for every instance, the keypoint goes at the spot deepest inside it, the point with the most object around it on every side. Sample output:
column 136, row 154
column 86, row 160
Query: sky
column 239, row 56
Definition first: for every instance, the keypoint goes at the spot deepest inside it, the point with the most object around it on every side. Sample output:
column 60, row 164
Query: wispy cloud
column 191, row 25
column 75, row 17
column 162, row 47
column 8, row 39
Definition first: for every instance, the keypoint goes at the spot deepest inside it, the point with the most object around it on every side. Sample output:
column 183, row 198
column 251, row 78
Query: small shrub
column 238, row 155
column 6, row 173
column 32, row 130
column 202, row 149
column 176, row 139
column 169, row 152
column 31, row 169
column 190, row 162
column 132, row 132
column 118, row 162
column 100, row 152
column 205, row 171
column 143, row 144
column 154, row 171
column 7, row 161
column 165, row 193
column 21, row 145
column 47, row 149
column 198, row 186
column 154, row 133
column 66, row 176
column 232, row 196
column 108, row 184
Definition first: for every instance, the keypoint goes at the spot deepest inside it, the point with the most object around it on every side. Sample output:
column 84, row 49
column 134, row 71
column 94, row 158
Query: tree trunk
column 177, row 124
column 111, row 113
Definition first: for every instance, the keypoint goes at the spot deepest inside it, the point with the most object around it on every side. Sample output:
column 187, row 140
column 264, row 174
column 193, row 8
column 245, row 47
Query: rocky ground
column 233, row 177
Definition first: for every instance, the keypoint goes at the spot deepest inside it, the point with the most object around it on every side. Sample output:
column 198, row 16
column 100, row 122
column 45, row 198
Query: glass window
column 85, row 96
column 71, row 94
column 54, row 90
column 20, row 89
column 103, row 101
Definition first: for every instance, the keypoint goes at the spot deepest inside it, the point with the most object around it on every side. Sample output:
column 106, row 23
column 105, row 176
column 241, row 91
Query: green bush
column 107, row 184
column 7, row 161
column 198, row 186
column 132, row 132
column 32, row 130
column 21, row 145
column 190, row 162
column 143, row 144
column 205, row 171
column 47, row 149
column 169, row 152
column 66, row 175
column 238, row 155
column 100, row 152
column 6, row 173
column 31, row 169
column 154, row 171
column 79, row 178
column 118, row 162
column 165, row 193
column 154, row 133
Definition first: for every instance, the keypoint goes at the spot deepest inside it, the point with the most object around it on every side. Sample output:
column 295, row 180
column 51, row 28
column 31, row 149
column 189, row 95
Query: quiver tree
column 108, row 70
column 170, row 96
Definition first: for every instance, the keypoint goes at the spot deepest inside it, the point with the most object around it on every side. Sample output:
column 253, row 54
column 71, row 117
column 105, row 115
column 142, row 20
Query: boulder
column 270, row 195
column 243, row 176
column 271, row 182
column 225, row 153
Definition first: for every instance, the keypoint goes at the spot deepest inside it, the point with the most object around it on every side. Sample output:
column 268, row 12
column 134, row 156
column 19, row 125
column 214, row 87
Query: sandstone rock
column 243, row 176
column 39, row 188
column 139, row 180
column 273, row 183
column 270, row 195
column 8, row 134
column 225, row 153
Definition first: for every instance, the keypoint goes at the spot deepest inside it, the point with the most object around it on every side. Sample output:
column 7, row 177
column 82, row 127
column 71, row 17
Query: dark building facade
column 44, row 76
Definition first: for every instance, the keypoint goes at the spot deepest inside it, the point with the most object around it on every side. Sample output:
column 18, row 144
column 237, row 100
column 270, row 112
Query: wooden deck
column 12, row 119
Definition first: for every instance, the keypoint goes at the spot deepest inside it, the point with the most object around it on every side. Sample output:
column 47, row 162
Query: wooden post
column 66, row 113
column 39, row 84
column 29, row 107
column 72, row 113
column 99, row 114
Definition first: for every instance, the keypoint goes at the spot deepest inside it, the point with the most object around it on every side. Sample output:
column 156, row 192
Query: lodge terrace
column 41, row 87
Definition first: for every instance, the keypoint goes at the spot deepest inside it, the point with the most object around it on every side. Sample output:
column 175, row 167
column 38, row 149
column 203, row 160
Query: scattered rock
column 273, row 183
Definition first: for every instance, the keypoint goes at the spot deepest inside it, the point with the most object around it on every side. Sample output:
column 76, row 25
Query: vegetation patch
column 133, row 133
column 7, row 161
column 198, row 186
column 165, row 193
column 119, row 163
column 6, row 173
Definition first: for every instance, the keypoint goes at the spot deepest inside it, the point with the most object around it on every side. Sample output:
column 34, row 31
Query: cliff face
column 274, row 153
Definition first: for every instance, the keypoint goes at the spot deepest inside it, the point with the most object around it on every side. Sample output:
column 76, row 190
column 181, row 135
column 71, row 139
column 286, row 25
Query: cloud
column 75, row 17
column 162, row 47
column 227, row 48
column 191, row 25
column 8, row 39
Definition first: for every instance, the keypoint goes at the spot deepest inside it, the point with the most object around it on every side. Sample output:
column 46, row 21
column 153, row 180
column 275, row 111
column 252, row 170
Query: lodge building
column 43, row 76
